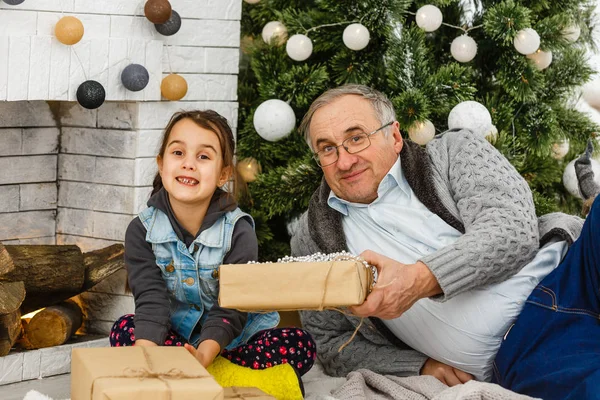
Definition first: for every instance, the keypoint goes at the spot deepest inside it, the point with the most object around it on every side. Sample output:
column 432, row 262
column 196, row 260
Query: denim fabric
column 553, row 349
column 191, row 273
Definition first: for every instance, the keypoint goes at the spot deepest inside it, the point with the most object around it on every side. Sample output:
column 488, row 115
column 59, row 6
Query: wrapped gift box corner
column 110, row 373
column 294, row 285
column 246, row 393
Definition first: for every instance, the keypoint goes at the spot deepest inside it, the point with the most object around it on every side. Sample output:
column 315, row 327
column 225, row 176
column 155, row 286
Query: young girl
column 173, row 250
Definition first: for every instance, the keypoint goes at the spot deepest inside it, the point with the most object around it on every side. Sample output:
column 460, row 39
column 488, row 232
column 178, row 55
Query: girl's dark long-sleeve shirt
column 152, row 319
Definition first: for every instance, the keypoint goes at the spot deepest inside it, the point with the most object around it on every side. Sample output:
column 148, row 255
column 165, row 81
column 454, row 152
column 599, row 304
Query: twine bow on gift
column 149, row 372
column 243, row 396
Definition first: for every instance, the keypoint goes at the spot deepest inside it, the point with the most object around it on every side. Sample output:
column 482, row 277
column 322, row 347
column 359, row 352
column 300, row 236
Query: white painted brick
column 74, row 222
column 11, row 368
column 211, row 87
column 3, row 67
column 55, row 360
column 148, row 142
column 10, row 140
column 101, row 142
column 154, row 54
column 17, row 23
column 31, row 365
column 209, row 9
column 42, row 5
column 110, row 226
column 210, row 33
column 113, row 284
column 72, row 114
column 117, row 60
column 108, row 7
column 28, row 169
column 9, row 198
column 75, row 167
column 201, row 60
column 38, row 196
column 129, row 27
column 39, row 68
column 117, row 115
column 60, row 61
column 97, row 197
column 19, row 57
column 84, row 243
column 136, row 54
column 27, row 224
column 141, row 196
column 80, row 67
column 40, row 140
column 95, row 26
column 37, row 240
column 156, row 115
column 106, row 307
column 26, row 113
column 98, row 327
column 114, row 171
column 100, row 48
column 145, row 171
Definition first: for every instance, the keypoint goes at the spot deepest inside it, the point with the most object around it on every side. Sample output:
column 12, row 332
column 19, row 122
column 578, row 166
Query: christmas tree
column 511, row 68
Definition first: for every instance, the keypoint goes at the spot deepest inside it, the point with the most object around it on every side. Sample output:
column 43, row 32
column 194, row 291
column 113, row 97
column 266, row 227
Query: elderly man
column 457, row 222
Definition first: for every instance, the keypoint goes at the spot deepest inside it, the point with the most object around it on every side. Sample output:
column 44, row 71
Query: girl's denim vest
column 191, row 274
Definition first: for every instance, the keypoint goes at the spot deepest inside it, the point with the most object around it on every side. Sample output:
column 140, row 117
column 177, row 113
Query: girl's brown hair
column 214, row 122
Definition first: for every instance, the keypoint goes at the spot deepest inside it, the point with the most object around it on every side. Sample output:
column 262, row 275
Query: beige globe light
column 527, row 41
column 572, row 33
column 560, row 149
column 248, row 169
column 299, row 47
column 463, row 48
column 69, row 30
column 421, row 132
column 356, row 37
column 274, row 32
column 541, row 59
column 429, row 18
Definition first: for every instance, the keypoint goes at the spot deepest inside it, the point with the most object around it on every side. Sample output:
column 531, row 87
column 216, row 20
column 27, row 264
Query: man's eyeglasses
column 329, row 154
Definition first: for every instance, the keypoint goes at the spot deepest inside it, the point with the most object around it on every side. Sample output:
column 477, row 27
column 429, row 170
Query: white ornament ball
column 591, row 93
column 275, row 31
column 252, row 1
column 356, row 36
column 560, row 149
column 463, row 48
column 541, row 59
column 429, row 18
column 421, row 132
column 527, row 41
column 299, row 47
column 571, row 33
column 274, row 119
column 471, row 115
column 570, row 177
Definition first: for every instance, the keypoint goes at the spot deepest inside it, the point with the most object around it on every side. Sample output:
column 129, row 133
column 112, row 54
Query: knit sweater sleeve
column 496, row 207
column 368, row 349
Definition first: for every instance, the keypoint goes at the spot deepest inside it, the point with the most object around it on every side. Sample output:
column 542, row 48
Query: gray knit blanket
column 365, row 384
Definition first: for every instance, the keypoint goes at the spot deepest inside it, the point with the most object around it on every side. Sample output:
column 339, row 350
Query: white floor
column 317, row 386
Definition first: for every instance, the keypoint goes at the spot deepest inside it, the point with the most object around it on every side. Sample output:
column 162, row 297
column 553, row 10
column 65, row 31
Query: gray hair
column 383, row 107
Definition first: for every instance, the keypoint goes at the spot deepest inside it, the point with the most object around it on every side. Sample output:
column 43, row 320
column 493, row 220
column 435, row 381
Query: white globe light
column 570, row 177
column 527, row 41
column 541, row 59
column 429, row 18
column 421, row 132
column 274, row 119
column 571, row 33
column 560, row 149
column 252, row 1
column 463, row 48
column 275, row 31
column 492, row 134
column 299, row 47
column 471, row 115
column 356, row 36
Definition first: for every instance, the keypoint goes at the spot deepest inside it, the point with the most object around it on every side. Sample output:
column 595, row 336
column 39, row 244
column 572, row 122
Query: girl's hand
column 206, row 351
column 144, row 342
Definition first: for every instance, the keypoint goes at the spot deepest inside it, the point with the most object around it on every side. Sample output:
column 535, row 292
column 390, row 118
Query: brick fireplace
column 69, row 175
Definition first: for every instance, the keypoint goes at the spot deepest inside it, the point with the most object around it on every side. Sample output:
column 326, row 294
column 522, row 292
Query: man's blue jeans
column 553, row 349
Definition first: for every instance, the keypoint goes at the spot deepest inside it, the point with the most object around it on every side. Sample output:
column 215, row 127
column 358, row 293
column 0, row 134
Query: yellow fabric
column 279, row 381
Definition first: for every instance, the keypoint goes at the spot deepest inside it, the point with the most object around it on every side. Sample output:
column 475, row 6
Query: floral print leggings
column 265, row 349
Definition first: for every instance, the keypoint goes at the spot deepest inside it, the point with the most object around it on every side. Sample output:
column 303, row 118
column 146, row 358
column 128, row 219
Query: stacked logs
column 37, row 276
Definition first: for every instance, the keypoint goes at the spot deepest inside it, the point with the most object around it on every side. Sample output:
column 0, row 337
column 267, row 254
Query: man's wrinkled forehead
column 347, row 113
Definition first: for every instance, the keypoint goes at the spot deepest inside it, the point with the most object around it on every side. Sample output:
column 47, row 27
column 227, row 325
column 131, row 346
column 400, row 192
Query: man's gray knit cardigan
column 470, row 185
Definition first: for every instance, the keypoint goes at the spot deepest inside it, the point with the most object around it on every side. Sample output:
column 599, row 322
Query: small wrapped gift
column 246, row 393
column 140, row 373
column 294, row 285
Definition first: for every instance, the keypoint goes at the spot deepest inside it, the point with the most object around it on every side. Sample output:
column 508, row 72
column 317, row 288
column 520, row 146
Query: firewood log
column 52, row 326
column 11, row 297
column 100, row 264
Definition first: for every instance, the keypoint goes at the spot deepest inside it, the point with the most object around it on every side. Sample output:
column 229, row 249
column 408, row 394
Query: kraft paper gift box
column 243, row 393
column 140, row 373
column 293, row 285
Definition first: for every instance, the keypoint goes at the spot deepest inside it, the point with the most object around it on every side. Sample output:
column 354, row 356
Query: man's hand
column 398, row 287
column 206, row 351
column 445, row 373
